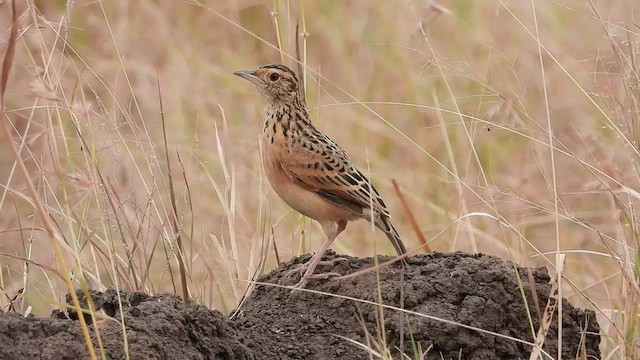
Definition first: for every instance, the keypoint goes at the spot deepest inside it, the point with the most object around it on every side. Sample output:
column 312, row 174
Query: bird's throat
column 283, row 118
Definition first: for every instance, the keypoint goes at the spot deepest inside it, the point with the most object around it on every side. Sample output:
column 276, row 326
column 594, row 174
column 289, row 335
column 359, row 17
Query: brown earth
column 277, row 323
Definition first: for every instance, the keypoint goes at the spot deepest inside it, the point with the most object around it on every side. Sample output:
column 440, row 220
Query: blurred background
column 510, row 127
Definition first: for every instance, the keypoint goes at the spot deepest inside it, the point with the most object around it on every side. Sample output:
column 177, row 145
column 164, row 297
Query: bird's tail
column 384, row 224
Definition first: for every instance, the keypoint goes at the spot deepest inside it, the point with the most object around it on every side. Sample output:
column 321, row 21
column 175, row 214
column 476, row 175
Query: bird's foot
column 301, row 269
column 323, row 276
column 307, row 275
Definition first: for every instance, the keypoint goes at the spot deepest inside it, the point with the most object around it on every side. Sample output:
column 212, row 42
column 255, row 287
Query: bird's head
column 277, row 83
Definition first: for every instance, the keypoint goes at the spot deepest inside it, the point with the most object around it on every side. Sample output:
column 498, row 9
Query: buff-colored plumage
column 309, row 171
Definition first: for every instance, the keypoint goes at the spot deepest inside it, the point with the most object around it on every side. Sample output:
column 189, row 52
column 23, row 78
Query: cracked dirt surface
column 478, row 291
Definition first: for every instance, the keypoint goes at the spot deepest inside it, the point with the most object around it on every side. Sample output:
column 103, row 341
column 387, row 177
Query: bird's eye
column 274, row 77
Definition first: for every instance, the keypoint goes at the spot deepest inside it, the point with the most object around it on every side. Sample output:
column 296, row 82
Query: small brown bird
column 309, row 171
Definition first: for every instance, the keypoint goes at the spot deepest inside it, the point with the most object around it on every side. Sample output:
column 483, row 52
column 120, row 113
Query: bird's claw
column 301, row 270
column 303, row 267
column 323, row 276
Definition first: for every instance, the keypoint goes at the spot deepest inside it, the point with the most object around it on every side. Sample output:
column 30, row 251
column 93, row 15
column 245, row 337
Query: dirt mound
column 277, row 323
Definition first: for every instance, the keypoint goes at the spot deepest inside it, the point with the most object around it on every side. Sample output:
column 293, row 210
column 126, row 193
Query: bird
column 309, row 171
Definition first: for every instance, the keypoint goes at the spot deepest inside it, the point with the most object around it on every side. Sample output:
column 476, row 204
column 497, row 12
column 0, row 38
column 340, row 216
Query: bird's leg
column 332, row 231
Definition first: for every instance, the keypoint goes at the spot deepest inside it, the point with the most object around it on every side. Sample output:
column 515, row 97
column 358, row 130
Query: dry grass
column 511, row 128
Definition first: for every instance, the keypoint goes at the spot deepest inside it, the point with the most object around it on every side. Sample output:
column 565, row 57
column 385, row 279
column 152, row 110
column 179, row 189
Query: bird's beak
column 249, row 75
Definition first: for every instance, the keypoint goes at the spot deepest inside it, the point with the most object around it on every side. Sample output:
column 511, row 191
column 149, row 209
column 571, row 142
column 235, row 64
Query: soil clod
column 477, row 291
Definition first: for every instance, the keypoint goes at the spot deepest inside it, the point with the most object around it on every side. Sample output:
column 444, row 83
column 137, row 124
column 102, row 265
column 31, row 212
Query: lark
column 308, row 170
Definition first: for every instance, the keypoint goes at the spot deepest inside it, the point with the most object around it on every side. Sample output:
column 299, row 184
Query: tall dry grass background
column 511, row 128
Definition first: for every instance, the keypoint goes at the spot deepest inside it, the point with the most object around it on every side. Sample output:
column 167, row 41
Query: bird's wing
column 320, row 165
